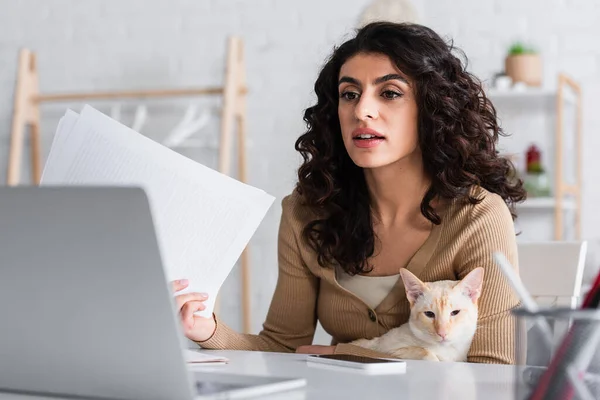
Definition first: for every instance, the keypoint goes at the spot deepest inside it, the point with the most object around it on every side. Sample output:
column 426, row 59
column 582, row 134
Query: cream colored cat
column 443, row 320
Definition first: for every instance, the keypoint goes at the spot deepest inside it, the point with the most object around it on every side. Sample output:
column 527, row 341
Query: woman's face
column 377, row 111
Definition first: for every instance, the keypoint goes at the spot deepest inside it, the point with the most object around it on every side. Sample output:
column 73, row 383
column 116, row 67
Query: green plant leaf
column 518, row 48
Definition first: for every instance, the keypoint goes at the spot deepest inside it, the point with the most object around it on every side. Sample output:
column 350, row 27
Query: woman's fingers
column 179, row 285
column 188, row 310
column 185, row 298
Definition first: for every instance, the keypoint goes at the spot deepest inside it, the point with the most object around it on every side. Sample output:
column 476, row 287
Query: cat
column 442, row 322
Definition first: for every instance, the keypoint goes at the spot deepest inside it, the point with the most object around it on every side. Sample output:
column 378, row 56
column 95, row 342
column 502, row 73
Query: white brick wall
column 565, row 31
column 103, row 44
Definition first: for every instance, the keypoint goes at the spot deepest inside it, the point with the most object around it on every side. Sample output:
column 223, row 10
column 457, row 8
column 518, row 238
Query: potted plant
column 524, row 64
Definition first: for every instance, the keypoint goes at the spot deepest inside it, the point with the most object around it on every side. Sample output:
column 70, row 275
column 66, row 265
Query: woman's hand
column 195, row 328
column 315, row 349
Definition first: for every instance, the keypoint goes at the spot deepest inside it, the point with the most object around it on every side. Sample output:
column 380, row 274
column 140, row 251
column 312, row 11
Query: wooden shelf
column 233, row 121
column 546, row 203
column 567, row 95
column 544, row 94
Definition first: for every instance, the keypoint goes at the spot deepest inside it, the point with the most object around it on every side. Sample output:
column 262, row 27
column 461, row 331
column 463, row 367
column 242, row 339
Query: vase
column 526, row 68
column 537, row 185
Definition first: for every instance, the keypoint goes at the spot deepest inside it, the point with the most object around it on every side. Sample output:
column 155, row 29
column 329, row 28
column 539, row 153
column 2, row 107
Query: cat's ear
column 471, row 284
column 413, row 285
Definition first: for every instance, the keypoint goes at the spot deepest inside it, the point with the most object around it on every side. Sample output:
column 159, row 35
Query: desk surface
column 422, row 380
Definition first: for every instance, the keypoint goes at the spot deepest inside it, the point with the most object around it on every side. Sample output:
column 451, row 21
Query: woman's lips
column 366, row 138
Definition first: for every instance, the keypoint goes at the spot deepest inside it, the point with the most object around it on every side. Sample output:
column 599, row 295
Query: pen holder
column 558, row 354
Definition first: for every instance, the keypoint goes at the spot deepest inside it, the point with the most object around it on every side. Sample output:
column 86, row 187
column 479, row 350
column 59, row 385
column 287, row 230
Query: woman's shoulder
column 490, row 204
column 295, row 216
column 472, row 228
column 295, row 210
column 489, row 209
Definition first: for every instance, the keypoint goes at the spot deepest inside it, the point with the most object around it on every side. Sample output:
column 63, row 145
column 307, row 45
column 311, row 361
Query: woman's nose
column 366, row 109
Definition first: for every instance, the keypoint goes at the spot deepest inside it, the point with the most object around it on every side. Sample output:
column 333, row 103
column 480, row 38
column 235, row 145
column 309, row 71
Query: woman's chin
column 370, row 162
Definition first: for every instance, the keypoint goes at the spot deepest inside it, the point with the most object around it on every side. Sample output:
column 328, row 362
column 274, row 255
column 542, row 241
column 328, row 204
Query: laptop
column 85, row 307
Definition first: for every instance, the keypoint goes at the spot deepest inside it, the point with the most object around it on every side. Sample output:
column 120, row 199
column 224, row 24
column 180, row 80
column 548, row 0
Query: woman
column 400, row 171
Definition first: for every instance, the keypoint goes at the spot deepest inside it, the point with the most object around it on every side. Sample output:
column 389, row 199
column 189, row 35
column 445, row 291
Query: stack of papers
column 196, row 357
column 203, row 219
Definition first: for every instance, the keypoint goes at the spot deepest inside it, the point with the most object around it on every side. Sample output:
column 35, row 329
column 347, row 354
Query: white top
column 370, row 289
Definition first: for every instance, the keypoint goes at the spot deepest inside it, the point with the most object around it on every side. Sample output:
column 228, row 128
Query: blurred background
column 538, row 59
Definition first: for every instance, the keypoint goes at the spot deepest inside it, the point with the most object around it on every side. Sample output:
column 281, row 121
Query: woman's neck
column 396, row 191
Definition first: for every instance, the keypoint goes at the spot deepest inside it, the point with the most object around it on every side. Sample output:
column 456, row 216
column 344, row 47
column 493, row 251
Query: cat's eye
column 455, row 312
column 429, row 314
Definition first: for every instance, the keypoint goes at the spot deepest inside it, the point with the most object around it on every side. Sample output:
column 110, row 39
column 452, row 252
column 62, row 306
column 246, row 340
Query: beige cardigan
column 306, row 292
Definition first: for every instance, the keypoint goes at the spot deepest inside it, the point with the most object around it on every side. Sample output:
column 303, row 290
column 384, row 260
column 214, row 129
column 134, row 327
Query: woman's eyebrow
column 390, row 77
column 385, row 78
column 348, row 80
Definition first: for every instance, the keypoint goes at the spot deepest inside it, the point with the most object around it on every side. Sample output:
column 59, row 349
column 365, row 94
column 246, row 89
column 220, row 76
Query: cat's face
column 443, row 312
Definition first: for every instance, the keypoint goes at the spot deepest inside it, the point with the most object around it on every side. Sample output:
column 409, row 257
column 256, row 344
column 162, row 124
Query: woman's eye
column 390, row 94
column 429, row 314
column 349, row 96
column 455, row 312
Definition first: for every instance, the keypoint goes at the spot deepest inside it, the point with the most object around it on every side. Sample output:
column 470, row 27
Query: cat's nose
column 443, row 334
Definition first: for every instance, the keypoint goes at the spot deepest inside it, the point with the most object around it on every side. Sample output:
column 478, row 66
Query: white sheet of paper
column 65, row 125
column 203, row 219
column 196, row 357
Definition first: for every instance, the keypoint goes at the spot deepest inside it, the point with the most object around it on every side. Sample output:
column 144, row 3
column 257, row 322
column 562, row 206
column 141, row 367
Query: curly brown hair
column 457, row 133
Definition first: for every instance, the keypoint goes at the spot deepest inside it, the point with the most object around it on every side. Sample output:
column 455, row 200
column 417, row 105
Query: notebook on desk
column 85, row 305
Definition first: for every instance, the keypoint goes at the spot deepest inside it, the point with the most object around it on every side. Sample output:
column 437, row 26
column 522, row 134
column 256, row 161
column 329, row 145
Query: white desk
column 422, row 380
